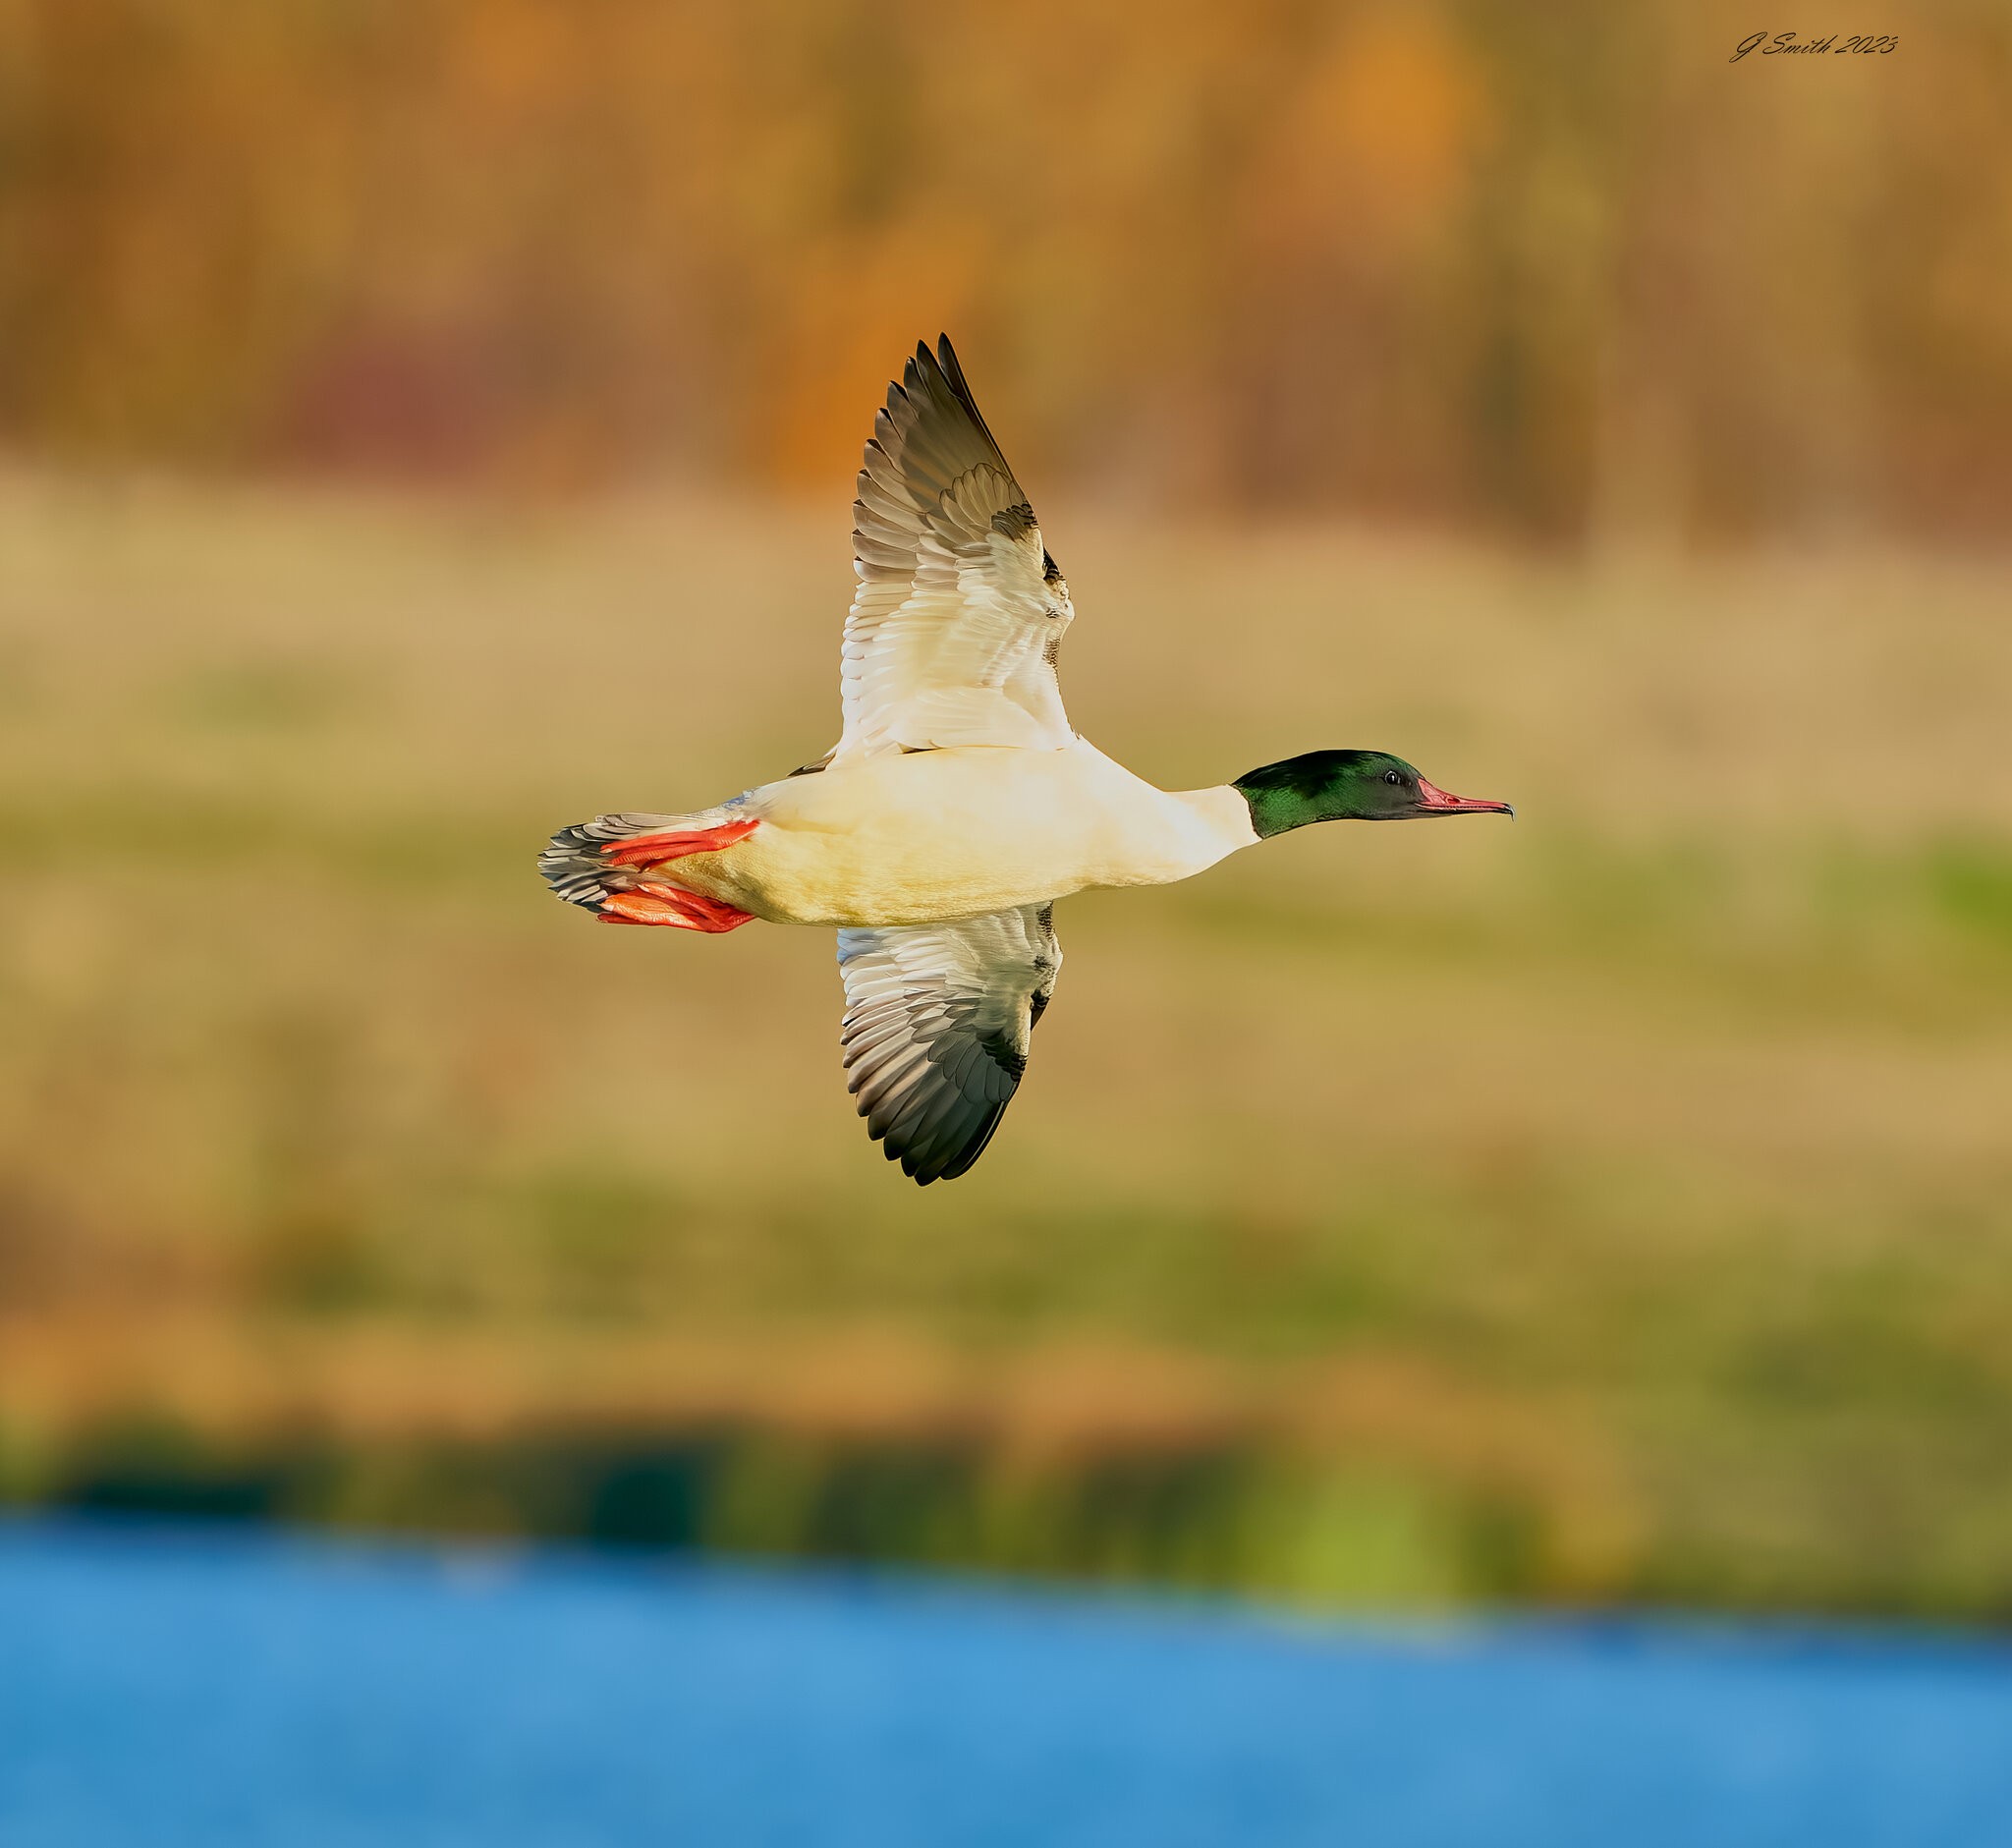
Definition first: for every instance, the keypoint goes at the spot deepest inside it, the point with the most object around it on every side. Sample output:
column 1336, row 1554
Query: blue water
column 189, row 1688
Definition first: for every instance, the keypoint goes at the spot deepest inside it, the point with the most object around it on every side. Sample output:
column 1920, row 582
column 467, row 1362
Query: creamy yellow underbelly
column 910, row 838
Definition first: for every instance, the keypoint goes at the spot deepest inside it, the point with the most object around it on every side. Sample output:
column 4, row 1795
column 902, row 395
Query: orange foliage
column 1549, row 267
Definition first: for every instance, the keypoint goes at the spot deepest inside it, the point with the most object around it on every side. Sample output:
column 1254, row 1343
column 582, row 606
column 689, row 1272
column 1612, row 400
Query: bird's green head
column 1347, row 786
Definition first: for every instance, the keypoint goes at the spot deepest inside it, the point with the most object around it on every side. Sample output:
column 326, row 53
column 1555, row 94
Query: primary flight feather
column 958, row 803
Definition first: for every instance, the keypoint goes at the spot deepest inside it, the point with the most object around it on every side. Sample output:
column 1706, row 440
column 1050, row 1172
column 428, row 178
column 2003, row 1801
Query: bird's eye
column 1391, row 776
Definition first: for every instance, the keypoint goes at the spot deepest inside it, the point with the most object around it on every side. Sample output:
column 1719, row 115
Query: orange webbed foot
column 653, row 850
column 655, row 903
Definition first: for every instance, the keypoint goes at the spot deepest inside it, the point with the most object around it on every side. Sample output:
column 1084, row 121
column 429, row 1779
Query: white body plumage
column 920, row 836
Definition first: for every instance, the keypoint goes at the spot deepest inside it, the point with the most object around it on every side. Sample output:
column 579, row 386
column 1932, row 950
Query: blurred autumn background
column 424, row 423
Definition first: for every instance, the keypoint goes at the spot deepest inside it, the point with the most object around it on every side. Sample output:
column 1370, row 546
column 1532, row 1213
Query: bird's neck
column 1219, row 816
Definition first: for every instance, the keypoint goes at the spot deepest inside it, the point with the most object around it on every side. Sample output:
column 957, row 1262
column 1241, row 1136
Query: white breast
column 912, row 837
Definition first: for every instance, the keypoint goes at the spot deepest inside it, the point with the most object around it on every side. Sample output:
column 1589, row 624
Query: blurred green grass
column 1614, row 1204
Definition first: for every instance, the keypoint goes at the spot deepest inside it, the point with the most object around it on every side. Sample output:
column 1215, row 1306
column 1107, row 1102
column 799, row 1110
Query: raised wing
column 937, row 1022
column 959, row 610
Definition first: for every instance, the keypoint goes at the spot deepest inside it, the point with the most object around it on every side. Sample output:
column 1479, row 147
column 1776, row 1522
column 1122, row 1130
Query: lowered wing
column 937, row 1023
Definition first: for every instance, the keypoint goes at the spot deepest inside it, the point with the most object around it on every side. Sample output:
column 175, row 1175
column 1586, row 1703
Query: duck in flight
column 958, row 803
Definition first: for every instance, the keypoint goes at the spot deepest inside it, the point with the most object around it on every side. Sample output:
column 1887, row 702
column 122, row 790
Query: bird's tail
column 612, row 866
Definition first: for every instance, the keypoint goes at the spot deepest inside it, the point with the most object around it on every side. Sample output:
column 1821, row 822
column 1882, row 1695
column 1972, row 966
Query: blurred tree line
column 1560, row 270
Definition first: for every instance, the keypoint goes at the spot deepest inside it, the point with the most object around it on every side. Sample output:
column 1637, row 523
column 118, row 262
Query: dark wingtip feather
column 946, row 358
column 963, row 1161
